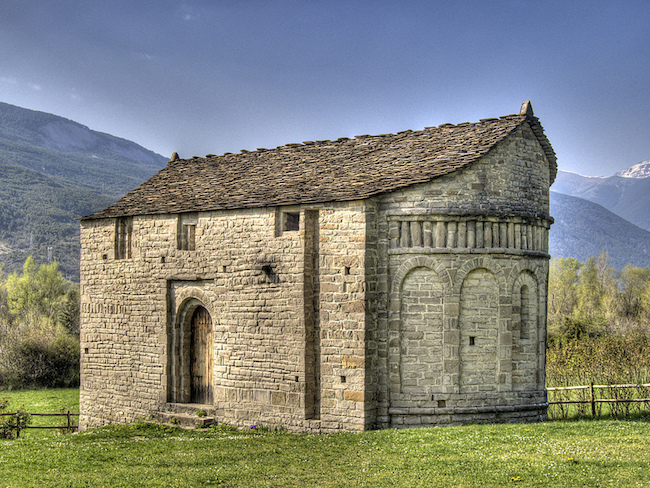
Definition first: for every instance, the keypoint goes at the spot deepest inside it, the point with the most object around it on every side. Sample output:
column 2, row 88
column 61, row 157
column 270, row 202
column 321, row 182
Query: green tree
column 562, row 288
column 37, row 294
column 69, row 312
column 634, row 284
column 39, row 343
column 596, row 288
column 4, row 309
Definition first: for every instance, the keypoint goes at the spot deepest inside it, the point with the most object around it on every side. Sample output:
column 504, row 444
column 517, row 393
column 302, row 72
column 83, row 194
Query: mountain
column 62, row 148
column 640, row 170
column 53, row 170
column 627, row 193
column 582, row 229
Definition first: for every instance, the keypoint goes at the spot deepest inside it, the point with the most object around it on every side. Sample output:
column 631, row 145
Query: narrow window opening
column 346, row 270
column 472, row 341
column 343, row 379
column 442, row 404
column 162, row 259
column 85, row 350
column 524, row 313
column 188, row 242
column 123, row 237
column 224, row 269
column 187, row 231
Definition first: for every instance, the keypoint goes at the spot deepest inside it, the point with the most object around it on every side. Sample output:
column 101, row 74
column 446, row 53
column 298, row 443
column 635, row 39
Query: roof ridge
column 321, row 171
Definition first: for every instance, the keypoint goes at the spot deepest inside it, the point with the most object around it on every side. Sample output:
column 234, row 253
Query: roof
column 321, row 171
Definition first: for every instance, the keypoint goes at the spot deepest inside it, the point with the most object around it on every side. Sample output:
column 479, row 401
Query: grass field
column 53, row 400
column 568, row 453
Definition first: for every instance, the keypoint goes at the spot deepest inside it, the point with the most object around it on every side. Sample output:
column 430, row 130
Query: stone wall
column 464, row 265
column 288, row 313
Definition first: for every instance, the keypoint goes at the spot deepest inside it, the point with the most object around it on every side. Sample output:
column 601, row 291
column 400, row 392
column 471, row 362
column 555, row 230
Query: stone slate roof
column 321, row 171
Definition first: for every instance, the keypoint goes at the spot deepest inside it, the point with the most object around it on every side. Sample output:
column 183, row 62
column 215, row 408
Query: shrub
column 45, row 356
column 11, row 424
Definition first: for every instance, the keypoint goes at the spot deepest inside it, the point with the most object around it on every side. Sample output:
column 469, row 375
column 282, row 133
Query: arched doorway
column 201, row 354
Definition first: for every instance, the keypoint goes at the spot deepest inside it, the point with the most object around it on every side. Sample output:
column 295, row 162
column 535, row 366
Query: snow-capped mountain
column 627, row 193
column 640, row 170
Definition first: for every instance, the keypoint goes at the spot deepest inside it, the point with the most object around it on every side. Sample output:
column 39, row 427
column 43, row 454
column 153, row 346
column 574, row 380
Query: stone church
column 393, row 280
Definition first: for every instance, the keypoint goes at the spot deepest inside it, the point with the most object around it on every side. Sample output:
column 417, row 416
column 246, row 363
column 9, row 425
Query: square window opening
column 290, row 221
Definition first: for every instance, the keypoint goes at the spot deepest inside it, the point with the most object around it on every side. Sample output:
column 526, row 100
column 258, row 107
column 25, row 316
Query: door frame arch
column 180, row 350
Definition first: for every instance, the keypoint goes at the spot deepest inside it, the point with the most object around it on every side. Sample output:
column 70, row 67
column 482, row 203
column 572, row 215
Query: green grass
column 52, row 400
column 611, row 452
column 570, row 453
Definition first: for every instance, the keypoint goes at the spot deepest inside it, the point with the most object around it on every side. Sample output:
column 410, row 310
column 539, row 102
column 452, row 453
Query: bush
column 39, row 328
column 608, row 359
column 47, row 357
column 11, row 424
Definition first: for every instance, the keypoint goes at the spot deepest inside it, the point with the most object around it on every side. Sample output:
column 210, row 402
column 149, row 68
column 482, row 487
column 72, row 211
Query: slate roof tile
column 319, row 171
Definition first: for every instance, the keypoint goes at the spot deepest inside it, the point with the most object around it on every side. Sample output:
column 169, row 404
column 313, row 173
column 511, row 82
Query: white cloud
column 144, row 56
column 34, row 86
column 187, row 12
column 10, row 81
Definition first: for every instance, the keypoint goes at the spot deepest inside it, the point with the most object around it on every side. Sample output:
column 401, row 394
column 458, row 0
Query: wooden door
column 201, row 357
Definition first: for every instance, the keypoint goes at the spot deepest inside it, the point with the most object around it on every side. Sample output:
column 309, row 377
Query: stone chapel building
column 382, row 281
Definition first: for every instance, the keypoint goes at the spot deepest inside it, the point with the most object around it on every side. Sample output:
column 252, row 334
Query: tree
column 562, row 288
column 39, row 343
column 634, row 284
column 4, row 309
column 37, row 294
column 596, row 288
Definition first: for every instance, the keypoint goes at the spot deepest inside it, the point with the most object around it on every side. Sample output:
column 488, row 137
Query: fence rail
column 592, row 400
column 68, row 427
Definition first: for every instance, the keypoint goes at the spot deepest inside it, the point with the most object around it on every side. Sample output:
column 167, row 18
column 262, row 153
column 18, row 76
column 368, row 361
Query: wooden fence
column 590, row 397
column 69, row 426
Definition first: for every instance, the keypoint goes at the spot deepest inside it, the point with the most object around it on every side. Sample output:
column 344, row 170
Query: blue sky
column 201, row 77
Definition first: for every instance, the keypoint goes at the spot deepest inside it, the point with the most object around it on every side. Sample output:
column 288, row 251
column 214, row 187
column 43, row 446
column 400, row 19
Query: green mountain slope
column 37, row 212
column 583, row 229
column 53, row 170
column 62, row 148
column 627, row 197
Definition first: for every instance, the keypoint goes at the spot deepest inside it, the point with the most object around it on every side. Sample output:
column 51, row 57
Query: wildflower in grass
column 253, row 426
column 515, row 479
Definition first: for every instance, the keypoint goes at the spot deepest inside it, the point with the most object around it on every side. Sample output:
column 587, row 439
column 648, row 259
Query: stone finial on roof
column 526, row 109
column 174, row 157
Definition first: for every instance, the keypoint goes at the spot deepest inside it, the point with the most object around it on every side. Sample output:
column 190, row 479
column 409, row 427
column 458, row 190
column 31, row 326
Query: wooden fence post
column 593, row 399
column 17, row 425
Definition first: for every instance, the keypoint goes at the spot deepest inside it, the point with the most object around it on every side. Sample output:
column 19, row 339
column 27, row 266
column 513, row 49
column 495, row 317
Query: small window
column 123, row 237
column 188, row 237
column 287, row 219
column 187, row 231
column 291, row 221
